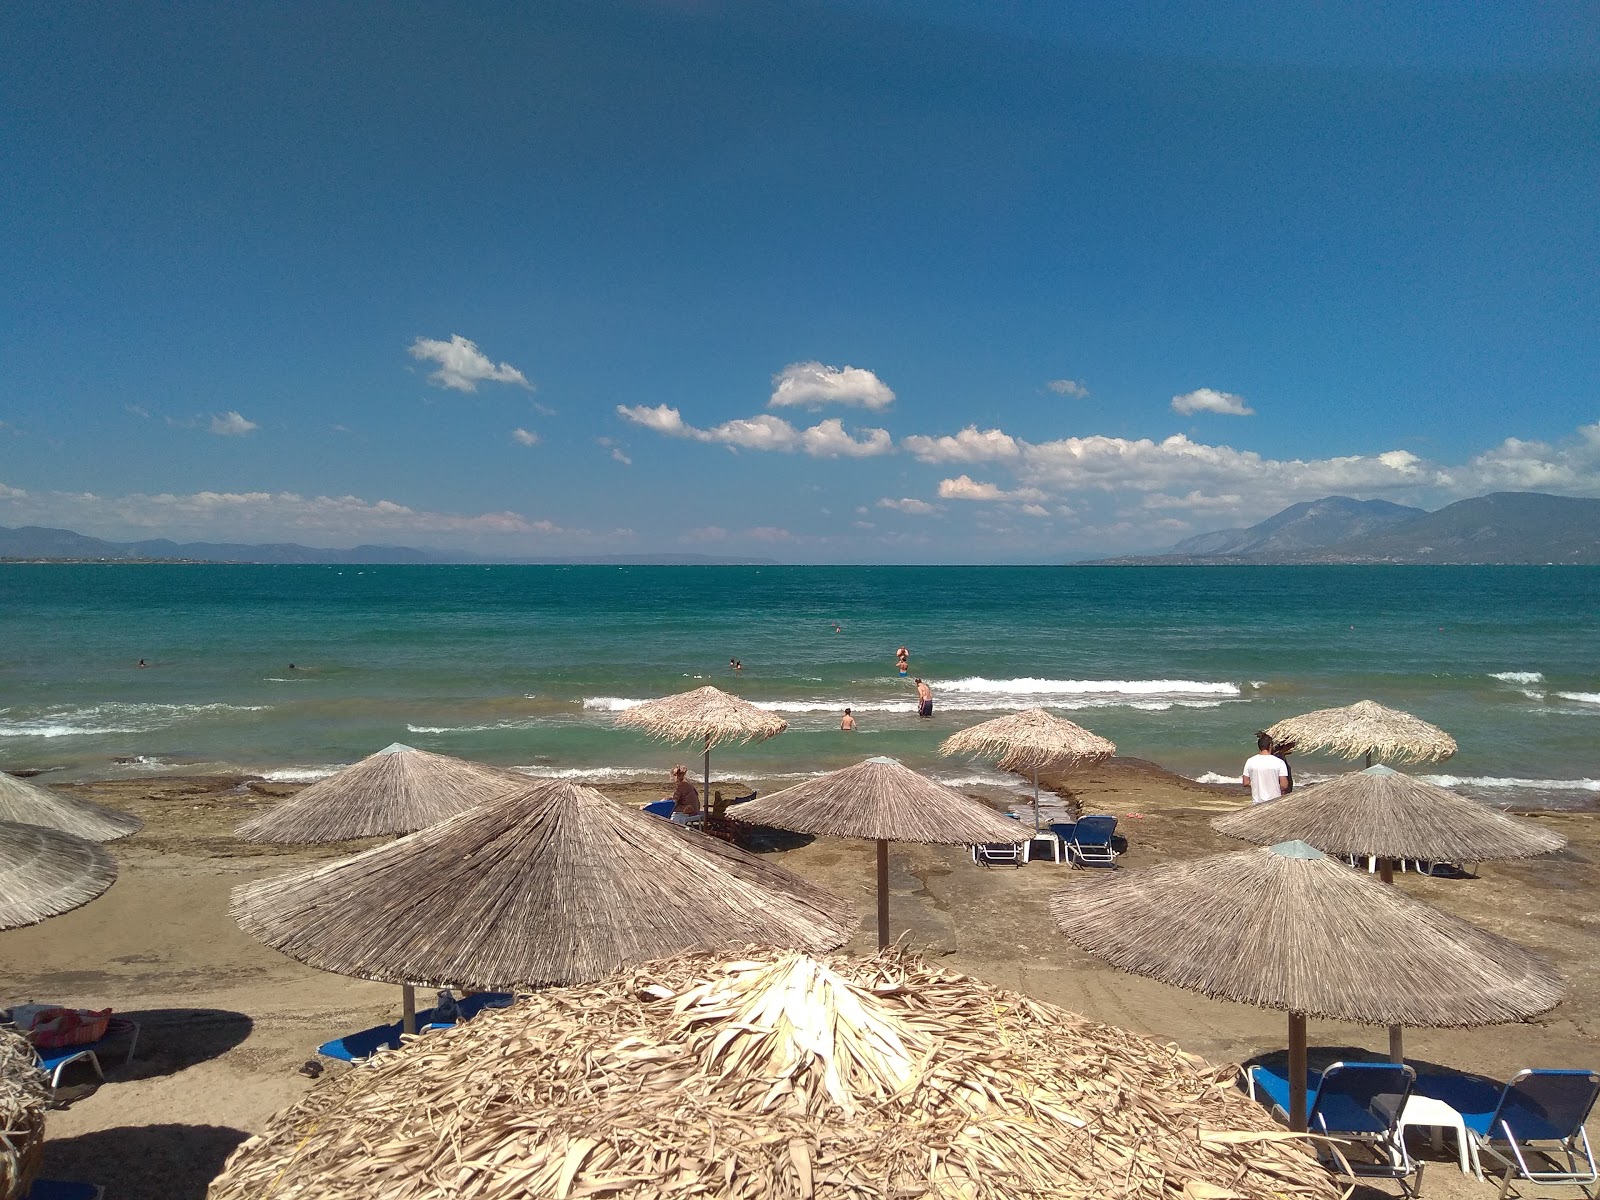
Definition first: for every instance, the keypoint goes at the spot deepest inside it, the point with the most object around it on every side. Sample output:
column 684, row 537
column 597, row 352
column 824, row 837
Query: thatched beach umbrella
column 1368, row 729
column 29, row 804
column 1288, row 927
column 397, row 790
column 775, row 1078
column 1031, row 740
column 883, row 801
column 44, row 873
column 1380, row 813
column 707, row 715
column 551, row 884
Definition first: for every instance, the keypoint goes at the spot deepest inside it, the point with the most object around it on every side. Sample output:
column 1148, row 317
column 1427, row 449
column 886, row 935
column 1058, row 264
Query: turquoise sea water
column 527, row 666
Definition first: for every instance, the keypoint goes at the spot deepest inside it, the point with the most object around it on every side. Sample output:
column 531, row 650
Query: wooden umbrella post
column 408, row 1008
column 705, row 797
column 883, row 893
column 1297, row 1072
column 1036, row 802
column 1397, row 1049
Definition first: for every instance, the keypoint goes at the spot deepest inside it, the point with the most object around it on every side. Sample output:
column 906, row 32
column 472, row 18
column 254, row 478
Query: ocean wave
column 1213, row 777
column 1500, row 783
column 1518, row 676
column 300, row 774
column 282, row 679
column 958, row 702
column 1086, row 687
column 524, row 723
column 115, row 718
column 619, row 774
column 1581, row 697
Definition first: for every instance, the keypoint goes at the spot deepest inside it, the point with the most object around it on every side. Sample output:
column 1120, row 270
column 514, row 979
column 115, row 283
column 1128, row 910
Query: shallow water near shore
column 528, row 666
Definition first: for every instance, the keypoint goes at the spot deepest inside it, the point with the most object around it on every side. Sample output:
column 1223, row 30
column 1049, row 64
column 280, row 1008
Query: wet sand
column 227, row 1023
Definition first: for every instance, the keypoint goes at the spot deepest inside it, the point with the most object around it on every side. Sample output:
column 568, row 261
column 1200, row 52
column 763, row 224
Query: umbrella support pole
column 705, row 798
column 1036, row 802
column 1397, row 1048
column 408, row 1008
column 1297, row 1072
column 883, row 893
column 1386, row 870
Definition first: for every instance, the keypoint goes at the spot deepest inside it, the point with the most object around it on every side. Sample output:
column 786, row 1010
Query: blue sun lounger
column 120, row 1032
column 1354, row 1101
column 354, row 1047
column 1091, row 842
column 1539, row 1112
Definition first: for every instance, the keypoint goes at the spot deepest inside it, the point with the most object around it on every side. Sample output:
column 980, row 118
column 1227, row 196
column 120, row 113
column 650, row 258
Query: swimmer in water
column 142, row 663
column 902, row 660
column 847, row 723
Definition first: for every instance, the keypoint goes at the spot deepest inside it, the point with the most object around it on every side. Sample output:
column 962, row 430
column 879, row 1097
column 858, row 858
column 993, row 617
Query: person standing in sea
column 1265, row 774
column 924, row 699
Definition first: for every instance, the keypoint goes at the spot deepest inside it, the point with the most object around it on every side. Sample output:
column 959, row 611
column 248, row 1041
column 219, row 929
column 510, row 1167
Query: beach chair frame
column 1097, row 850
column 1385, row 1138
column 1573, row 1145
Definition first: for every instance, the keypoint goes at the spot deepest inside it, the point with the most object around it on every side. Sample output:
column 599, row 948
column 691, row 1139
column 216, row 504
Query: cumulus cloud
column 812, row 385
column 618, row 456
column 462, row 366
column 524, row 437
column 964, row 487
column 1196, row 500
column 970, row 445
column 1071, row 388
column 1212, row 401
column 231, row 424
column 909, row 504
column 827, row 439
column 1035, row 510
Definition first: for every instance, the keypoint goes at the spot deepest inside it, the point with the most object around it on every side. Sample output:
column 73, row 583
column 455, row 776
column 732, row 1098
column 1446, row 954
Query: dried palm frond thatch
column 1366, row 729
column 884, row 801
column 44, row 873
column 775, row 1078
column 551, row 884
column 24, row 1097
column 1030, row 740
column 397, row 790
column 1382, row 813
column 1287, row 927
column 29, row 804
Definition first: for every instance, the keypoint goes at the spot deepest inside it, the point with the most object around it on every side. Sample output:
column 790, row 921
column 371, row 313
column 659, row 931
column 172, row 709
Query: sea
column 528, row 666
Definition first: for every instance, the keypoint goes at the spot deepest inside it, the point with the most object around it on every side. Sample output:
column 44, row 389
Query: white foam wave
column 1517, row 676
column 281, row 679
column 1086, row 687
column 300, row 774
column 1581, row 697
column 1510, row 782
column 945, row 702
column 1213, row 777
column 620, row 774
column 116, row 718
column 525, row 723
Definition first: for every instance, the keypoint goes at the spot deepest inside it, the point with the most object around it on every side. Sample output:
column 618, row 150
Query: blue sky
column 834, row 282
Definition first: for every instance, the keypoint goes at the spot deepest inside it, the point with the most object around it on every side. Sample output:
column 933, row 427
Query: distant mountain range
column 1504, row 527
column 33, row 543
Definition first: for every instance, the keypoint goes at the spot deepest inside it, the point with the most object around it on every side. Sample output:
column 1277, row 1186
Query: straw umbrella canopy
column 883, row 801
column 44, row 873
column 1380, row 813
column 397, row 790
column 1030, row 741
column 774, row 1078
column 1288, row 927
column 707, row 715
column 29, row 804
column 551, row 884
column 1367, row 729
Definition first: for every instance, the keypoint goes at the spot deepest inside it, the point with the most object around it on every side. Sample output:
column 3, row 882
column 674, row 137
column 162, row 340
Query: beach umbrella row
column 1031, row 740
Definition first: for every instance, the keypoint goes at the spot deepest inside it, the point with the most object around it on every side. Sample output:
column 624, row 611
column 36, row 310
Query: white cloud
column 909, row 504
column 1196, row 500
column 137, row 410
column 769, row 533
column 764, row 431
column 811, row 385
column 970, row 445
column 706, row 533
column 462, row 366
column 618, row 456
column 524, row 437
column 964, row 487
column 231, row 424
column 1035, row 510
column 1070, row 388
column 1212, row 401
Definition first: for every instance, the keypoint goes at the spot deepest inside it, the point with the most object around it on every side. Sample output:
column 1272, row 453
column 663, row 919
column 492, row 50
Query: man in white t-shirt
column 1265, row 774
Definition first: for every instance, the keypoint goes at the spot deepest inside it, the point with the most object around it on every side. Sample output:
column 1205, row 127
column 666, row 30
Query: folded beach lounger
column 1534, row 1125
column 1356, row 1102
column 1000, row 852
column 353, row 1047
column 121, row 1036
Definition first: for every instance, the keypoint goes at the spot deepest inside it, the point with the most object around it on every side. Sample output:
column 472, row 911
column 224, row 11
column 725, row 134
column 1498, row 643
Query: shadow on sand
column 170, row 1039
column 144, row 1162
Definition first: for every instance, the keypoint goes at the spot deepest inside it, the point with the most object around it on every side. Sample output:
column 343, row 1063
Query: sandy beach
column 227, row 1024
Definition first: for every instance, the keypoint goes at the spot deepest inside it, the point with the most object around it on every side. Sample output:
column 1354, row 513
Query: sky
column 871, row 281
